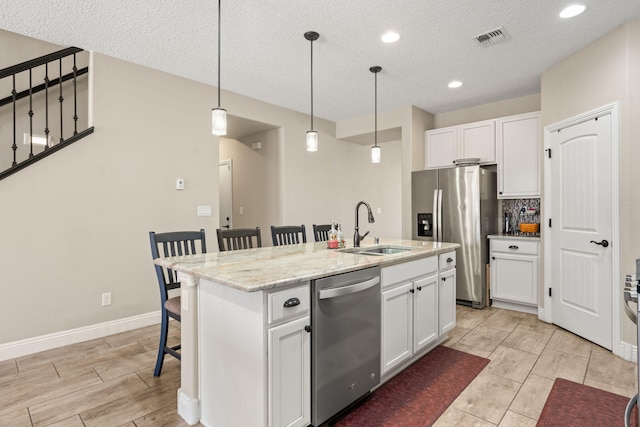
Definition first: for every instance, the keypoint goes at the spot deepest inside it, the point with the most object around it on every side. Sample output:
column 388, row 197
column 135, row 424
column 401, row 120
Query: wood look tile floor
column 109, row 381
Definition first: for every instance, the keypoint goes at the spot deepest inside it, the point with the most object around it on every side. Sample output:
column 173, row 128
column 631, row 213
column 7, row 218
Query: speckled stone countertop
column 258, row 269
column 513, row 237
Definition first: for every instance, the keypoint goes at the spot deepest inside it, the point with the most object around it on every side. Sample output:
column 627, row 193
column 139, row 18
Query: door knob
column 603, row 243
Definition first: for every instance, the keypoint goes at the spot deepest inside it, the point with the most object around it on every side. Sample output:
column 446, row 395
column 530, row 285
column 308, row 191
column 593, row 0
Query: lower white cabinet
column 447, row 301
column 515, row 274
column 289, row 371
column 418, row 308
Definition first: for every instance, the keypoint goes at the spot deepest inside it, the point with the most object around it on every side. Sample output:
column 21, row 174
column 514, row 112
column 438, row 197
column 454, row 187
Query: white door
column 225, row 189
column 581, row 229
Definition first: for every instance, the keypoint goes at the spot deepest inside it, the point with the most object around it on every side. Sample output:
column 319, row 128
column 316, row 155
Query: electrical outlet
column 106, row 299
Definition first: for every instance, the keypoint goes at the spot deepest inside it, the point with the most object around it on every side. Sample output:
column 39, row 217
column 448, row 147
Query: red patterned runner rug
column 419, row 394
column 571, row 404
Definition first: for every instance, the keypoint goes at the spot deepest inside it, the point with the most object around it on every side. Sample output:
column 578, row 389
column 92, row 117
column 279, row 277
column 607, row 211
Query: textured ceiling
column 265, row 56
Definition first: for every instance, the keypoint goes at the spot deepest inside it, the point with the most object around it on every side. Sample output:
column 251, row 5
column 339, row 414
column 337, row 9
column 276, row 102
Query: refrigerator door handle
column 435, row 215
column 439, row 215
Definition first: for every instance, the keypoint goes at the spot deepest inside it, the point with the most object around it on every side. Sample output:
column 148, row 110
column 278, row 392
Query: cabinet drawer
column 408, row 270
column 512, row 246
column 447, row 260
column 297, row 299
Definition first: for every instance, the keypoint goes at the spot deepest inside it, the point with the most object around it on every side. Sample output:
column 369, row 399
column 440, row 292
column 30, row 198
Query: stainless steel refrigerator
column 458, row 205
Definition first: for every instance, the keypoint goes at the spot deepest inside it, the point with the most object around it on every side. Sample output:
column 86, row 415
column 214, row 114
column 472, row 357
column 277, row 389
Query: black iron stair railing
column 28, row 67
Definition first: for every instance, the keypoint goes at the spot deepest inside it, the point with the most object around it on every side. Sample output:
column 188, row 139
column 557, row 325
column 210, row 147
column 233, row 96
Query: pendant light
column 375, row 150
column 219, row 115
column 312, row 135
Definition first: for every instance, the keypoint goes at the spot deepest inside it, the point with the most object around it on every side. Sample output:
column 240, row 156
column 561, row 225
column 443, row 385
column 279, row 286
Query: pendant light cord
column 219, row 21
column 311, row 84
column 375, row 135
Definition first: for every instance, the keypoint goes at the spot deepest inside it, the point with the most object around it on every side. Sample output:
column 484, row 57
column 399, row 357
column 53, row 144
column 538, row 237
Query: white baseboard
column 515, row 306
column 59, row 339
column 188, row 408
column 628, row 352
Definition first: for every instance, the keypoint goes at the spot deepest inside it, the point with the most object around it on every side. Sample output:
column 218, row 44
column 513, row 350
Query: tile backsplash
column 515, row 206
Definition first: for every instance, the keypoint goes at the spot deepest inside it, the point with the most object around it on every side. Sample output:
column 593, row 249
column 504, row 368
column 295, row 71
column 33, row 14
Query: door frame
column 618, row 347
column 228, row 162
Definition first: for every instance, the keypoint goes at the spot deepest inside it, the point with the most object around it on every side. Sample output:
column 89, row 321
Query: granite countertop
column 258, row 269
column 515, row 236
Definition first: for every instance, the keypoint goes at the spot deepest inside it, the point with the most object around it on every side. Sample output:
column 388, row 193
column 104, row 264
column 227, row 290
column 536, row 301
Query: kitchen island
column 237, row 337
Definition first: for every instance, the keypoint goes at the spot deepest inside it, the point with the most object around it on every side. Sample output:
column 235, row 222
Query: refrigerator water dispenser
column 425, row 224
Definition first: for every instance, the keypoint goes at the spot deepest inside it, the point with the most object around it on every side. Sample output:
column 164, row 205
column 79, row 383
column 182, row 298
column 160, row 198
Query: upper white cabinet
column 441, row 147
column 477, row 140
column 444, row 145
column 518, row 143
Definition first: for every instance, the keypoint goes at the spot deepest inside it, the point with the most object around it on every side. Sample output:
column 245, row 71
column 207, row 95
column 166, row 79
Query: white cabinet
column 425, row 315
column 441, row 147
column 447, row 293
column 444, row 145
column 518, row 143
column 290, row 374
column 515, row 274
column 397, row 325
column 412, row 307
column 478, row 140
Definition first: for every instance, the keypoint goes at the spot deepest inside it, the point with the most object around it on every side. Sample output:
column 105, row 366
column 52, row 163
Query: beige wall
column 256, row 181
column 83, row 228
column 606, row 71
column 493, row 110
column 412, row 122
column 76, row 223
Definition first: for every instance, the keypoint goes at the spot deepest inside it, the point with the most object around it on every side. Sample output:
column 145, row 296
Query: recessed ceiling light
column 454, row 84
column 390, row 37
column 572, row 10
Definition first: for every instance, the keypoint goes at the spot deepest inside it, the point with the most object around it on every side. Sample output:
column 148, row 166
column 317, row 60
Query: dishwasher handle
column 346, row 290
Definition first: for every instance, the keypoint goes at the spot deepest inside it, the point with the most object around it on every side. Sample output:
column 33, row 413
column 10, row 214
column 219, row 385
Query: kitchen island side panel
column 233, row 371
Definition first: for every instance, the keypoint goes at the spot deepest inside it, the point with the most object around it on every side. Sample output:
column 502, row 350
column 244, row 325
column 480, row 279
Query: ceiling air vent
column 492, row 37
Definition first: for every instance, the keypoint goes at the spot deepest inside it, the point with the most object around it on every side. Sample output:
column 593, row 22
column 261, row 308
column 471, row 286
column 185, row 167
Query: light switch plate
column 204, row 210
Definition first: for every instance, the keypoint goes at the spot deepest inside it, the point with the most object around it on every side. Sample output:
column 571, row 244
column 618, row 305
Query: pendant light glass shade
column 219, row 121
column 219, row 115
column 376, row 152
column 312, row 135
column 312, row 140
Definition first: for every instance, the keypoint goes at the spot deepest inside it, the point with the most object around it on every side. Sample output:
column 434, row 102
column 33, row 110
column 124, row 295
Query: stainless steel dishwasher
column 345, row 343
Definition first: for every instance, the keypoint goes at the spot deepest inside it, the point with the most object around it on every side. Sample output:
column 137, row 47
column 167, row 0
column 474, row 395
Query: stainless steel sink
column 377, row 250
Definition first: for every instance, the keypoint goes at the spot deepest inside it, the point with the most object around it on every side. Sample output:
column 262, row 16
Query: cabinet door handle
column 307, row 328
column 419, row 288
column 449, row 259
column 291, row 302
column 514, row 247
column 412, row 290
column 444, row 279
column 493, row 257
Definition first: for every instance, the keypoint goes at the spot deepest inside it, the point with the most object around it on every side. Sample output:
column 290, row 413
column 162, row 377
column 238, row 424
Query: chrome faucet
column 357, row 238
